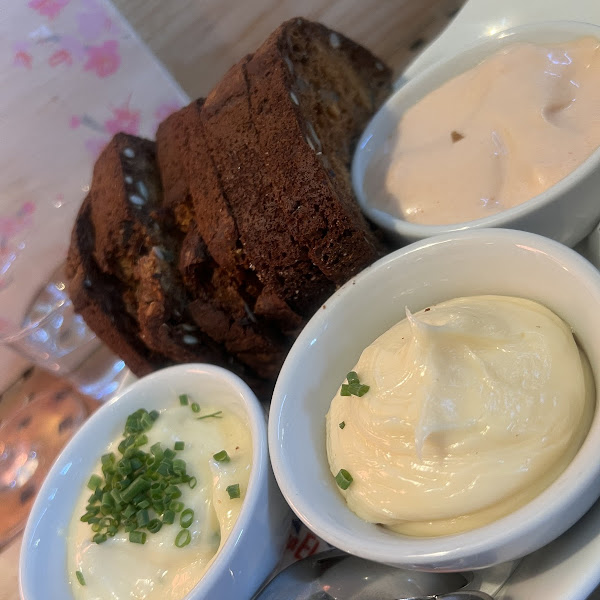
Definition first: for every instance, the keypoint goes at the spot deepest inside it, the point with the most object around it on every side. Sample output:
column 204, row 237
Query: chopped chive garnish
column 233, row 491
column 143, row 518
column 183, row 538
column 138, row 491
column 343, row 479
column 354, row 387
column 195, row 407
column 80, row 577
column 342, row 424
column 183, row 399
column 216, row 415
column 221, row 456
column 154, row 525
column 94, row 482
column 137, row 537
column 352, row 377
column 186, row 518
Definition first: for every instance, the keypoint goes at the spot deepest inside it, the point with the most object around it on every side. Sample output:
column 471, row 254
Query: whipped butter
column 474, row 406
column 158, row 569
column 492, row 137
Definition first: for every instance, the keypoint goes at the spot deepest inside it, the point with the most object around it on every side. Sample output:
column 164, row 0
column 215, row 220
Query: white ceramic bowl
column 256, row 541
column 566, row 212
column 485, row 261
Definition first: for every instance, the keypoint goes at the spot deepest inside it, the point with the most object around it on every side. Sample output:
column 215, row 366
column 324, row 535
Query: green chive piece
column 137, row 537
column 99, row 538
column 168, row 517
column 216, row 415
column 143, row 518
column 192, row 482
column 354, row 387
column 94, row 482
column 233, row 491
column 183, row 399
column 362, row 390
column 221, row 456
column 157, row 450
column 195, row 407
column 179, row 466
column 80, row 577
column 183, row 538
column 179, row 446
column 352, row 377
column 186, row 518
column 141, row 440
column 343, row 479
column 138, row 485
column 154, row 526
column 154, row 414
column 107, row 460
column 342, row 424
column 176, row 506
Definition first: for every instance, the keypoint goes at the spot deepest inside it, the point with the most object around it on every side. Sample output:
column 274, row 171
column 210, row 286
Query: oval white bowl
column 256, row 541
column 486, row 261
column 566, row 212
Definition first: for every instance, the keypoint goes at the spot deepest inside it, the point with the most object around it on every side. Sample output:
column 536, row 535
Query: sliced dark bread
column 189, row 179
column 98, row 297
column 181, row 140
column 279, row 261
column 312, row 91
column 136, row 242
column 219, row 309
column 223, row 299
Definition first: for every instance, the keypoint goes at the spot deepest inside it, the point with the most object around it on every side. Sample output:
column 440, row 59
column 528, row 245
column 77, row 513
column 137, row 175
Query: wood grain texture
column 198, row 40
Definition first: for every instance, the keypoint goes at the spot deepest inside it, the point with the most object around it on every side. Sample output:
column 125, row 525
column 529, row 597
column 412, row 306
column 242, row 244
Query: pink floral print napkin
column 73, row 73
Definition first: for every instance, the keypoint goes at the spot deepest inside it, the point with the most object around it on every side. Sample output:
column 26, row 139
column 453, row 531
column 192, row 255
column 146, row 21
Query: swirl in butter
column 475, row 406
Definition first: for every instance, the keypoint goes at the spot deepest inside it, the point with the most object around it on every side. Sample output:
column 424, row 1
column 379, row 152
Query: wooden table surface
column 198, row 40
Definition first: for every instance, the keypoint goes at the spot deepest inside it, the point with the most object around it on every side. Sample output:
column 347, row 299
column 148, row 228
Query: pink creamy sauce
column 493, row 137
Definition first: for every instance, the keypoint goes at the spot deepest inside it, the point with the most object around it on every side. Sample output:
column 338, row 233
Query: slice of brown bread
column 219, row 309
column 312, row 91
column 223, row 302
column 136, row 243
column 98, row 297
column 279, row 261
column 191, row 184
column 181, row 141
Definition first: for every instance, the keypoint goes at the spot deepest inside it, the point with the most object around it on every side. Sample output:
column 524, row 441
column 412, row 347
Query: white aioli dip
column 119, row 569
column 493, row 137
column 475, row 406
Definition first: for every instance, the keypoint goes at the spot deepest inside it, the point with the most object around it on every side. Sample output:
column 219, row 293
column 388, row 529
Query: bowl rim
column 465, row 546
column 472, row 54
column 255, row 416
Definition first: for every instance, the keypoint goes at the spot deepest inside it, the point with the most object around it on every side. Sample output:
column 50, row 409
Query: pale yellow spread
column 475, row 406
column 493, row 137
column 119, row 569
